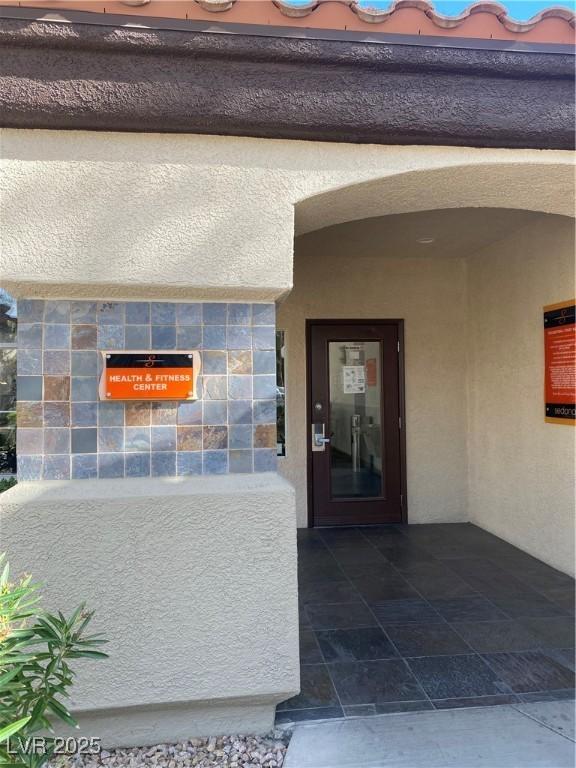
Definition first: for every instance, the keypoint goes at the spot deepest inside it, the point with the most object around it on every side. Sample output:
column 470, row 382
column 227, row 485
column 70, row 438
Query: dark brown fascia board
column 96, row 76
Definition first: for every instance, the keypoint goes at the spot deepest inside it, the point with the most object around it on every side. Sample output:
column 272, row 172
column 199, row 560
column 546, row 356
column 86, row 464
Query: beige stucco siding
column 331, row 281
column 521, row 470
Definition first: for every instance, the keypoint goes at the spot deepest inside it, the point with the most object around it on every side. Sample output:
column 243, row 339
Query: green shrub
column 35, row 648
column 7, row 482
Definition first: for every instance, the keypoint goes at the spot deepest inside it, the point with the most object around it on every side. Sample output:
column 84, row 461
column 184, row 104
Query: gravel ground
column 216, row 752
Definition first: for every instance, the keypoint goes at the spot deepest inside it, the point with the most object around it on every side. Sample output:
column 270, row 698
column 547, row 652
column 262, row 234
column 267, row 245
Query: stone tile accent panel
column 65, row 432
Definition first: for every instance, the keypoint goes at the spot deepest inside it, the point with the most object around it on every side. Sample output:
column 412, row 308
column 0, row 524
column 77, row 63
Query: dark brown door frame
column 401, row 405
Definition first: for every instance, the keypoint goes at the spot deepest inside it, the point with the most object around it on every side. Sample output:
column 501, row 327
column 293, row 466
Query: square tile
column 162, row 313
column 57, row 311
column 374, row 682
column 190, row 413
column 110, row 440
column 367, row 644
column 85, row 363
column 137, row 312
column 57, row 388
column 264, row 361
column 163, row 464
column 215, row 412
column 264, row 337
column 84, row 414
column 214, row 337
column 29, row 362
column 188, row 463
column 30, row 335
column 240, row 412
column 137, row 414
column 529, row 671
column 56, row 362
column 56, row 440
column 215, row 462
column 165, row 414
column 309, row 648
column 215, row 438
column 83, row 311
column 84, row 388
column 84, row 466
column 263, row 314
column 29, row 387
column 84, row 337
column 265, row 436
column 528, row 605
column 163, row 438
column 240, row 436
column 30, row 310
column 489, row 636
column 454, row 677
column 325, row 593
column 110, row 313
column 239, row 314
column 213, row 362
column 215, row 387
column 110, row 337
column 214, row 313
column 163, row 337
column 437, row 581
column 29, row 414
column 110, row 465
column 29, row 467
column 240, row 361
column 239, row 337
column 392, row 612
column 57, row 414
column 57, row 336
column 552, row 632
column 189, row 438
column 240, row 462
column 316, row 690
column 265, row 460
column 189, row 313
column 137, row 439
column 340, row 616
column 56, row 467
column 29, row 441
column 189, row 337
column 264, row 411
column 85, row 440
column 264, row 387
column 426, row 640
column 137, row 337
column 137, row 465
column 376, row 589
column 460, row 609
column 110, row 414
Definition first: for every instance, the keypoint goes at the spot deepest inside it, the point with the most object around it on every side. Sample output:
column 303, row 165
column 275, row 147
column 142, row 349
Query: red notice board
column 560, row 362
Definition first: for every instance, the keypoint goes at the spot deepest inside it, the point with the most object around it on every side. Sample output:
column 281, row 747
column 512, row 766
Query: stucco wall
column 194, row 583
column 92, row 215
column 347, row 274
column 521, row 470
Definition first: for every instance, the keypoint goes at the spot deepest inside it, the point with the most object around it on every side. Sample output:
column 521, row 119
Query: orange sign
column 560, row 362
column 149, row 375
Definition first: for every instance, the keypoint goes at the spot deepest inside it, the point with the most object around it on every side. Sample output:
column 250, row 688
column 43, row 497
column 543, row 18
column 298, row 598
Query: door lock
column 319, row 441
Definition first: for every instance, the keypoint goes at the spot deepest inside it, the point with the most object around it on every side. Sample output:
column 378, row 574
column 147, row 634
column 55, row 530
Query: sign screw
column 108, row 357
column 190, row 356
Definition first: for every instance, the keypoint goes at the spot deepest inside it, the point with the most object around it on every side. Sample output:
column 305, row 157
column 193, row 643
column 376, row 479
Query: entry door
column 355, row 438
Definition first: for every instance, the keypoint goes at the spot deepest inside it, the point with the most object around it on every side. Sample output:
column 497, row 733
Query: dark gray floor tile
column 456, row 677
column 358, row 555
column 395, row 707
column 355, row 645
column 405, row 612
column 530, row 604
column 303, row 618
column 477, row 701
column 552, row 632
column 314, row 573
column 566, row 694
column 340, row 616
column 379, row 570
column 316, row 690
column 563, row 597
column 473, row 608
column 487, row 636
column 309, row 648
column 426, row 640
column 530, row 671
column 564, row 656
column 284, row 717
column 406, row 560
column 381, row 588
column 331, row 592
column 374, row 682
column 433, row 581
column 360, row 710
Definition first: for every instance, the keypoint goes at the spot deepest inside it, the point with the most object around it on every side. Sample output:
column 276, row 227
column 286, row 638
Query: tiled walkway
column 427, row 617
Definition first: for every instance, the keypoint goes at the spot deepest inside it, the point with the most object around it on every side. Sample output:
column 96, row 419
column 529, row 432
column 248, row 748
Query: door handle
column 319, row 439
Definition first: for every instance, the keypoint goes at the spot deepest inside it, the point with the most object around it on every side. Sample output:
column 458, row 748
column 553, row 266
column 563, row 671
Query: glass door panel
column 355, row 407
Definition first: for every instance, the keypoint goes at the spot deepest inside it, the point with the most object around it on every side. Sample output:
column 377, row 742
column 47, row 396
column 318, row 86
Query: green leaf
column 10, row 730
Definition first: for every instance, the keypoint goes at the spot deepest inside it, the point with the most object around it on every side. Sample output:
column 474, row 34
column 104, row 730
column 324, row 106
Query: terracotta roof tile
column 481, row 20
